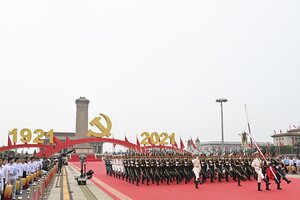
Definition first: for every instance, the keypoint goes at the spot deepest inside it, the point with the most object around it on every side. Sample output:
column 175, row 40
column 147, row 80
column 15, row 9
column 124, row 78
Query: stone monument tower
column 82, row 122
column 82, row 115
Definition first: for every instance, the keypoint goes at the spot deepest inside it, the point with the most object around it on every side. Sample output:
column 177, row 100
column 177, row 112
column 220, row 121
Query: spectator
column 286, row 163
column 292, row 167
column 298, row 165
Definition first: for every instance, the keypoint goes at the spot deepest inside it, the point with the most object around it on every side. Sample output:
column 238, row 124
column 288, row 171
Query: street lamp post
column 221, row 101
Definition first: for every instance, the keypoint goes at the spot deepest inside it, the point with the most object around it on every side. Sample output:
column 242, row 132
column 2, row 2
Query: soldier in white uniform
column 196, row 170
column 256, row 164
column 121, row 166
column 114, row 166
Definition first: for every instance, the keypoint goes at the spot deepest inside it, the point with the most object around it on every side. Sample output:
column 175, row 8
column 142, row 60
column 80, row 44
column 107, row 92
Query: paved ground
column 65, row 187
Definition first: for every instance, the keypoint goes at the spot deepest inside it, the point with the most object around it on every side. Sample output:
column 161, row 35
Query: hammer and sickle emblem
column 105, row 131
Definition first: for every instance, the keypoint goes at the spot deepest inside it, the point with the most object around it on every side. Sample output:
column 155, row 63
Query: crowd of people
column 292, row 164
column 18, row 172
column 182, row 167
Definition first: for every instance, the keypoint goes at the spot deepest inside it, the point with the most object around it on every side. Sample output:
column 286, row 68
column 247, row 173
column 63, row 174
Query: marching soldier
column 137, row 171
column 126, row 171
column 279, row 169
column 256, row 164
column 177, row 171
column 196, row 170
column 147, row 170
column 186, row 171
column 168, row 171
column 152, row 169
column 237, row 167
column 131, row 170
column 227, row 170
column 108, row 166
column 204, row 173
column 157, row 177
column 219, row 166
column 211, row 170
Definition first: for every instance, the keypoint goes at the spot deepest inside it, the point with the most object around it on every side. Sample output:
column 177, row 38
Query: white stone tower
column 82, row 115
column 82, row 122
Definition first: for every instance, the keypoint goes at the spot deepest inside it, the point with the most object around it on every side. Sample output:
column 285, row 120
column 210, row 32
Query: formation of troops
column 182, row 168
column 17, row 173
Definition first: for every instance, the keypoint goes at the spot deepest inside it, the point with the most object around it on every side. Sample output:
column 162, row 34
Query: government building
column 290, row 138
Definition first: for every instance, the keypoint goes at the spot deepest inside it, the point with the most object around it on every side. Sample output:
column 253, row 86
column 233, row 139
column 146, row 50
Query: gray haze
column 151, row 65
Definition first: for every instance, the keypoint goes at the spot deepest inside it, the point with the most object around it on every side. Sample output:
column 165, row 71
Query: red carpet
column 212, row 191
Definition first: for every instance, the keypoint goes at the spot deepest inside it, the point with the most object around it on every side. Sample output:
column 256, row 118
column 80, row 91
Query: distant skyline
column 151, row 66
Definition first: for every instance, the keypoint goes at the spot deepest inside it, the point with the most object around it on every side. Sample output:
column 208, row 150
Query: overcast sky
column 151, row 65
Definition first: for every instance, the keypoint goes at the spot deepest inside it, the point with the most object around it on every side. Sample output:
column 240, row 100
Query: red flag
column 126, row 140
column 193, row 144
column 9, row 141
column 181, row 144
column 56, row 140
column 114, row 145
column 67, row 139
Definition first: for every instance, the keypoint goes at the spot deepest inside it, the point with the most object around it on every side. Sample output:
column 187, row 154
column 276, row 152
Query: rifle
column 228, row 171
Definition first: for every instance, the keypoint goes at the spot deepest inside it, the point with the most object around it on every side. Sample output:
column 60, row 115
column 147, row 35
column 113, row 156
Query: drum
column 18, row 184
column 23, row 181
column 8, row 191
column 28, row 178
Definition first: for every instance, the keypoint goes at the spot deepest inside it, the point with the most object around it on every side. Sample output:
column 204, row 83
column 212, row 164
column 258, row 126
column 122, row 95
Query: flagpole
column 263, row 156
column 249, row 129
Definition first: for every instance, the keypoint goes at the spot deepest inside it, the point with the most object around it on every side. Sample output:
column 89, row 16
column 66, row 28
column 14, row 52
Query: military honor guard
column 257, row 165
column 196, row 170
column 167, row 167
column 278, row 168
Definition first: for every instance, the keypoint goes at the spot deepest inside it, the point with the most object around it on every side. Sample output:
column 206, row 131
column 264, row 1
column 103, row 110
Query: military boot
column 196, row 184
column 259, row 187
column 266, row 181
column 267, row 187
column 278, row 186
column 239, row 181
column 288, row 181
